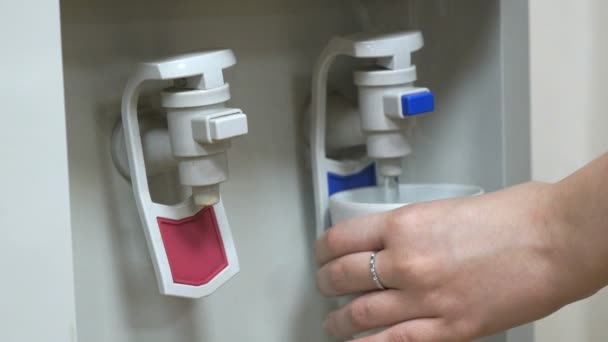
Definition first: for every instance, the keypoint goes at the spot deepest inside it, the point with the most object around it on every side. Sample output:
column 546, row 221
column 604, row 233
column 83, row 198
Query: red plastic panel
column 194, row 247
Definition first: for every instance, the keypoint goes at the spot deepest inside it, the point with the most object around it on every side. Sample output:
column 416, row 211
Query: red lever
column 194, row 247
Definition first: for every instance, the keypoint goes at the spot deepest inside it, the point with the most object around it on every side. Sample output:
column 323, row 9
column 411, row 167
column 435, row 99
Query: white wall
column 36, row 285
column 569, row 52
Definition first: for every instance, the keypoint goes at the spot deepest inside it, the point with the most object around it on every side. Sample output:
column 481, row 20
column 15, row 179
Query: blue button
column 414, row 104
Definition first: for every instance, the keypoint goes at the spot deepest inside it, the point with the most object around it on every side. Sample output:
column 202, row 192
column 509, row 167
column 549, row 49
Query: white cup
column 349, row 204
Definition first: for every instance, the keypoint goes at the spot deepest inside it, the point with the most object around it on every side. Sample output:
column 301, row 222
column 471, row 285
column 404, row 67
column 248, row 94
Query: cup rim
column 343, row 196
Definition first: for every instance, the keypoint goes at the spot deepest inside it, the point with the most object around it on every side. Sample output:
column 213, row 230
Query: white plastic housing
column 392, row 50
column 386, row 136
column 380, row 94
column 156, row 147
column 200, row 127
column 344, row 123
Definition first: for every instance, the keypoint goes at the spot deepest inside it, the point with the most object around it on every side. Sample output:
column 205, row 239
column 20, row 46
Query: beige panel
column 568, row 57
column 37, row 292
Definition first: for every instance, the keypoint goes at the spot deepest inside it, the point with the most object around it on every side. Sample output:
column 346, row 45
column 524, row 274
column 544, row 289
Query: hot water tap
column 190, row 242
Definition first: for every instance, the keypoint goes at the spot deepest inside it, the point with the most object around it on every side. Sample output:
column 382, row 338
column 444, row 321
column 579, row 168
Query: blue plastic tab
column 419, row 103
column 337, row 183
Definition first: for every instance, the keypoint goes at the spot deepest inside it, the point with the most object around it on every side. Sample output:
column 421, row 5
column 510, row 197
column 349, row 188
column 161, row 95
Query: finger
column 417, row 330
column 372, row 311
column 357, row 235
column 352, row 274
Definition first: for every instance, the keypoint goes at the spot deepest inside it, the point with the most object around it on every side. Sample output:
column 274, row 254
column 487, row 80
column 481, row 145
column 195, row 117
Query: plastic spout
column 206, row 196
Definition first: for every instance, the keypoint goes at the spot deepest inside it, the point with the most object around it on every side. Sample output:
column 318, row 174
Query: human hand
column 455, row 270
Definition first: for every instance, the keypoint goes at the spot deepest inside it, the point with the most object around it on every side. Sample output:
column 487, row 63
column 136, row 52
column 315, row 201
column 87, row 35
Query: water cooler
column 219, row 134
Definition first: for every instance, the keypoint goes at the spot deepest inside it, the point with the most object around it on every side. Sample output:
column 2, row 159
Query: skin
column 461, row 269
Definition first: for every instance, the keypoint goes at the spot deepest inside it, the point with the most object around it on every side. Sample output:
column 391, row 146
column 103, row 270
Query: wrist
column 578, row 257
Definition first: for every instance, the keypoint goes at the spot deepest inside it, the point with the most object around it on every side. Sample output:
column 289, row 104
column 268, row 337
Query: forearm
column 580, row 205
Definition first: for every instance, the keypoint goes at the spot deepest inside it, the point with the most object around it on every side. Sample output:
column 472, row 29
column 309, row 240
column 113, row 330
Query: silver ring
column 372, row 269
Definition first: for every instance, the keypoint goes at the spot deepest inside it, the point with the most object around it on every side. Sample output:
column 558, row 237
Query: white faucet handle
column 206, row 64
column 393, row 50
